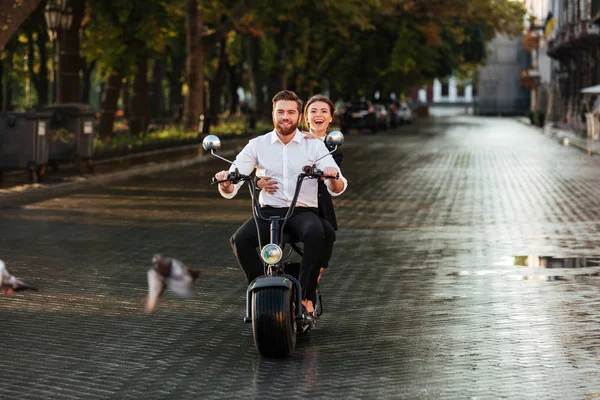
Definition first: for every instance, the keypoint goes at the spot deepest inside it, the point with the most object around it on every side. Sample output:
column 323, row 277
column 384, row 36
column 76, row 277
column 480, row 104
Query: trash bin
column 24, row 143
column 71, row 134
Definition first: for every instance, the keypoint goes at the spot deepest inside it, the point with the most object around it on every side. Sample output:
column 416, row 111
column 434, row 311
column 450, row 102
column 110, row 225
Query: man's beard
column 286, row 131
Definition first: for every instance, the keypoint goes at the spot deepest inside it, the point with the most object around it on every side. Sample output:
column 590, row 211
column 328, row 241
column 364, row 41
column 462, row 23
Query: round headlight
column 271, row 254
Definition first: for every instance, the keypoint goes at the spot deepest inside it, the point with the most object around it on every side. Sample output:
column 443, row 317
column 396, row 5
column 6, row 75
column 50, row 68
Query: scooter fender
column 285, row 281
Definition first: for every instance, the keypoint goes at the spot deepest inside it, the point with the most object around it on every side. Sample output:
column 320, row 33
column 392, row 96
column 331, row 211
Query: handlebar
column 314, row 173
column 234, row 177
column 310, row 172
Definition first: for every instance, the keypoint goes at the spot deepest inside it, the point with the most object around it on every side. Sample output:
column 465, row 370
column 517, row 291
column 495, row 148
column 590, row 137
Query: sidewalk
column 566, row 137
column 15, row 191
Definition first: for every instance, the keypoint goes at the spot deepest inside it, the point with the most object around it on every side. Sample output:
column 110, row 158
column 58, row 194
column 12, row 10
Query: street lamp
column 58, row 17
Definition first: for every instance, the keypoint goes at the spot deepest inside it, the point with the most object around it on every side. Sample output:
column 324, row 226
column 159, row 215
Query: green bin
column 71, row 136
column 24, row 143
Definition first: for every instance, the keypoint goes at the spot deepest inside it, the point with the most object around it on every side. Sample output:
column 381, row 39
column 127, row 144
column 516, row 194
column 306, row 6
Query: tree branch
column 227, row 25
column 12, row 14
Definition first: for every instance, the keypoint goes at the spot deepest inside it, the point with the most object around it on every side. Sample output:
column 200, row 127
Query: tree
column 123, row 37
column 12, row 14
column 70, row 56
column 199, row 41
column 34, row 36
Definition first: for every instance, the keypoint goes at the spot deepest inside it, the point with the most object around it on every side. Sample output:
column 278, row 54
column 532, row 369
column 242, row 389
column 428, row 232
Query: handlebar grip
column 214, row 181
column 337, row 176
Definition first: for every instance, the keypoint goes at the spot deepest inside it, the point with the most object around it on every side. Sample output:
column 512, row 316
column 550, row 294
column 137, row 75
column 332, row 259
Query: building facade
column 574, row 46
column 500, row 91
column 445, row 92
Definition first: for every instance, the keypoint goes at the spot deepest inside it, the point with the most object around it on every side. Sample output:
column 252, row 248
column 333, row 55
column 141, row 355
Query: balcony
column 587, row 33
column 558, row 47
column 574, row 38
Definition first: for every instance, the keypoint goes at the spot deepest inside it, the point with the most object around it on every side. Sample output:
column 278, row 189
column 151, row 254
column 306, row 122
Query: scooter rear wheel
column 273, row 322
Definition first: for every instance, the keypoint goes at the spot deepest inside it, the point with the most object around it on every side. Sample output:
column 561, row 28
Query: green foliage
column 231, row 126
column 120, row 30
column 350, row 47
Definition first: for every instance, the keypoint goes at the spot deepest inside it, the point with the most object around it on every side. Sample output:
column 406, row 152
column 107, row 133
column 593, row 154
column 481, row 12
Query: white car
column 405, row 113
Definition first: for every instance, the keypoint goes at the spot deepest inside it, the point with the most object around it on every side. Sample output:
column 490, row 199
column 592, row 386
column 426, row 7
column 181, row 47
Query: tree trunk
column 280, row 75
column 6, row 87
column 40, row 79
column 86, row 81
column 156, row 95
column 109, row 105
column 70, row 58
column 174, row 76
column 256, row 83
column 138, row 122
column 234, row 83
column 1, row 85
column 12, row 14
column 277, row 77
column 216, row 88
column 9, row 95
column 126, row 93
column 194, row 102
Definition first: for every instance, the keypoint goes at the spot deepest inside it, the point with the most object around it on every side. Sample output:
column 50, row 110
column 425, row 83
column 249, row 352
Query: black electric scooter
column 274, row 300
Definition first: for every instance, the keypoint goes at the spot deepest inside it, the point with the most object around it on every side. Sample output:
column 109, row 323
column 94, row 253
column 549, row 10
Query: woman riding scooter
column 318, row 114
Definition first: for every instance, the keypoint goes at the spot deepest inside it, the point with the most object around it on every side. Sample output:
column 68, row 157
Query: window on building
column 445, row 89
column 460, row 90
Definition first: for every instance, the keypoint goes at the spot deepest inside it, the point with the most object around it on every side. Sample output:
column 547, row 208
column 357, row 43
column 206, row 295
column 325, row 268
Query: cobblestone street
column 434, row 290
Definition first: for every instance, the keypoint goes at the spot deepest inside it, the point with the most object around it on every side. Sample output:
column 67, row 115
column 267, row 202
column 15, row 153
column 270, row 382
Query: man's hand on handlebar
column 332, row 174
column 328, row 172
column 226, row 187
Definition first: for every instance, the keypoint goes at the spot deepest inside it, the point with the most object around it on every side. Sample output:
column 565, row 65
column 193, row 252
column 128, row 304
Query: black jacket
column 325, row 201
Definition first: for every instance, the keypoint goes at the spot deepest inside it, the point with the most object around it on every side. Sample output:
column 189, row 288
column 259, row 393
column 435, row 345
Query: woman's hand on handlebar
column 267, row 184
column 226, row 187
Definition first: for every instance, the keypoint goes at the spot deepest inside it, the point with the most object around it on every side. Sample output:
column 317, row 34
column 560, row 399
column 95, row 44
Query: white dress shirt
column 283, row 162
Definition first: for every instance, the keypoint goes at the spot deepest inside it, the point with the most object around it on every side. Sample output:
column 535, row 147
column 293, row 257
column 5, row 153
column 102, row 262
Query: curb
column 564, row 137
column 39, row 193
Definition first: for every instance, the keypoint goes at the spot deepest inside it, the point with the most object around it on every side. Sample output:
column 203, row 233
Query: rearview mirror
column 335, row 138
column 211, row 143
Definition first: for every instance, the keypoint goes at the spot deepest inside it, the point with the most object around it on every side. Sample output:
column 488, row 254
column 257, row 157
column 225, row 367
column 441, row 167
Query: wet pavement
column 442, row 283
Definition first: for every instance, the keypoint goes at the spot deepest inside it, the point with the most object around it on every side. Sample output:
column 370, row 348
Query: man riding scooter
column 282, row 154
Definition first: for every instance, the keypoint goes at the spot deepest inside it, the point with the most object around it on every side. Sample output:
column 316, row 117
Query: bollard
column 200, row 124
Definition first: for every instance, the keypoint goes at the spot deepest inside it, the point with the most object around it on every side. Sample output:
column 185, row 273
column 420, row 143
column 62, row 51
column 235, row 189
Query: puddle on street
column 546, row 268
column 556, row 262
column 557, row 268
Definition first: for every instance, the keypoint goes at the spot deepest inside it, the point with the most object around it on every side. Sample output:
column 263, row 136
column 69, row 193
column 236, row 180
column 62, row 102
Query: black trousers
column 305, row 226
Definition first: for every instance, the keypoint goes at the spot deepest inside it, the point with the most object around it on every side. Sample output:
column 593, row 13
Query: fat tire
column 273, row 322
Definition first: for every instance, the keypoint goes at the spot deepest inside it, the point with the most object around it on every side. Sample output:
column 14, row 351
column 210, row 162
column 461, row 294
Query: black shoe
column 309, row 320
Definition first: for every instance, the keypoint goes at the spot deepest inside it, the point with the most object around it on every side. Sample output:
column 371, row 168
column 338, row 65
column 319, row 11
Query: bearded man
column 281, row 154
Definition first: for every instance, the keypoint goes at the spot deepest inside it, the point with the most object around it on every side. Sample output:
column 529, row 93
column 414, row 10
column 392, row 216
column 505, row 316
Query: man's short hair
column 288, row 95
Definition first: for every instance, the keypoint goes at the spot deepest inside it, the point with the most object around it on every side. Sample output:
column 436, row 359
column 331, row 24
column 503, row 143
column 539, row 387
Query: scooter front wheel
column 273, row 321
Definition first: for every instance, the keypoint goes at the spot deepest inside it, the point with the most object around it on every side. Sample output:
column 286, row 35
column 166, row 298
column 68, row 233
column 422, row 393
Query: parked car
column 382, row 117
column 392, row 109
column 405, row 113
column 358, row 115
